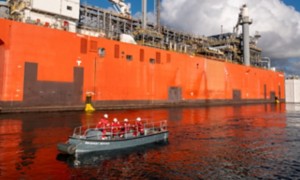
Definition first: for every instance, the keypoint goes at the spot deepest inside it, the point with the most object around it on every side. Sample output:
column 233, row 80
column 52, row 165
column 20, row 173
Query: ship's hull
column 48, row 69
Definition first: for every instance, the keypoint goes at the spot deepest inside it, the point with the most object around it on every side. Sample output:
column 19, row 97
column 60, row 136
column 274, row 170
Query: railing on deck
column 149, row 127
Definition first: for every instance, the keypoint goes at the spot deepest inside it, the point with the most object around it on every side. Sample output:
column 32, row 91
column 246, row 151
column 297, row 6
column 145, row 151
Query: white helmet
column 115, row 120
column 138, row 119
column 125, row 120
column 106, row 115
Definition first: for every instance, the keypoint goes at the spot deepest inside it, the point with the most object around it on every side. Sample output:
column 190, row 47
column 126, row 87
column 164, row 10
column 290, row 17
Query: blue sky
column 294, row 3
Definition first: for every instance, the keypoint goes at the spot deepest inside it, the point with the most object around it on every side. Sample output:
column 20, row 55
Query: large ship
column 58, row 54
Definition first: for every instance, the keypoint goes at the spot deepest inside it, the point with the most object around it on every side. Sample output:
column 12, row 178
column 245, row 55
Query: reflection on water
column 251, row 141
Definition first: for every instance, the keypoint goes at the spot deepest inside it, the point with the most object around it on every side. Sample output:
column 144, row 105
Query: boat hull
column 81, row 146
column 53, row 70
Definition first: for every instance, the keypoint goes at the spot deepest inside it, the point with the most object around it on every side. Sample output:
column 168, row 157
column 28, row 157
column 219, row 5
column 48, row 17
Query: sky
column 278, row 22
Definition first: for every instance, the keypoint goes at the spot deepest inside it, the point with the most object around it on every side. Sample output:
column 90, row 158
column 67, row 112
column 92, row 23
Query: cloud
column 278, row 23
column 151, row 17
column 289, row 66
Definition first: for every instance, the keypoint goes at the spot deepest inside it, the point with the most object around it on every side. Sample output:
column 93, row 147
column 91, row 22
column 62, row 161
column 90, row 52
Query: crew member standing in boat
column 125, row 128
column 103, row 125
column 115, row 127
column 139, row 127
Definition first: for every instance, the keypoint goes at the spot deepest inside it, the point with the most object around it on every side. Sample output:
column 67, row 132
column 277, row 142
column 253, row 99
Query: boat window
column 158, row 56
column 117, row 51
column 168, row 58
column 93, row 46
column 142, row 53
column 69, row 8
column 152, row 61
column 83, row 45
column 129, row 57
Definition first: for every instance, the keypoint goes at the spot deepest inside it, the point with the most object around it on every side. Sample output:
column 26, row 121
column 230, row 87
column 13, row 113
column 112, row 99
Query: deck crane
column 121, row 7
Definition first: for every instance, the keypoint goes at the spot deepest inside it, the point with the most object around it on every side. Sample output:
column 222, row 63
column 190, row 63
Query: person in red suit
column 115, row 127
column 139, row 127
column 125, row 128
column 103, row 125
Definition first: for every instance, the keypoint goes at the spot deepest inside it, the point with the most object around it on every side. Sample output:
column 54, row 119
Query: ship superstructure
column 55, row 52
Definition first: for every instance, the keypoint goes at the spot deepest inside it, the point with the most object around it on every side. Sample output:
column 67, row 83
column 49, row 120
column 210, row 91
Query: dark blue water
column 226, row 142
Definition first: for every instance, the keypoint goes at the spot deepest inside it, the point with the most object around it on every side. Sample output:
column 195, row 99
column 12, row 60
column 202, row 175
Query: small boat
column 90, row 139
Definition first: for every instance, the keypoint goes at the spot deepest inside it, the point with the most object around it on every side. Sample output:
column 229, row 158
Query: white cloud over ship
column 278, row 23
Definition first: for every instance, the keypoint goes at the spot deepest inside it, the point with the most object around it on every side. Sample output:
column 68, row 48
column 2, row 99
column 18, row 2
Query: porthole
column 152, row 61
column 101, row 52
column 129, row 57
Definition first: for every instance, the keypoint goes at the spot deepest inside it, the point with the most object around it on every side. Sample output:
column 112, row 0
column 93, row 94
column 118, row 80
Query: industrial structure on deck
column 56, row 53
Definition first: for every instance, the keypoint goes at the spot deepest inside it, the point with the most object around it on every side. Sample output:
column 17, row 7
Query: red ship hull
column 48, row 69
